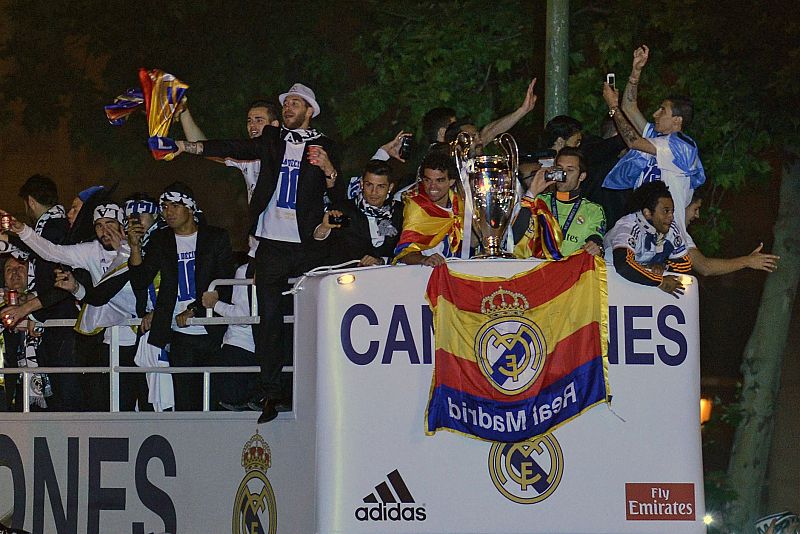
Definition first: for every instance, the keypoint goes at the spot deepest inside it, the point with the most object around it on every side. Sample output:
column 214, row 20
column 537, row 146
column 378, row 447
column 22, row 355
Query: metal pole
column 556, row 88
column 206, row 391
column 26, row 386
column 113, row 361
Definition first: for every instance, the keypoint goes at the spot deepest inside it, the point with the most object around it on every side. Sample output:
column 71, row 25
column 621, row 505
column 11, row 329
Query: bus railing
column 114, row 369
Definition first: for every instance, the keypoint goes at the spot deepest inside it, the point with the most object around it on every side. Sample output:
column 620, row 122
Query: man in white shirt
column 189, row 257
column 234, row 390
column 661, row 150
column 297, row 169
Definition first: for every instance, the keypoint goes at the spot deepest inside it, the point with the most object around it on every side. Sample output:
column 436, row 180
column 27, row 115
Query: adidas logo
column 391, row 505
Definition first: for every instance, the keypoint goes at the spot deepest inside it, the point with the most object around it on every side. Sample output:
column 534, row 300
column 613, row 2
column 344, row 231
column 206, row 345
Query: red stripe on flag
column 578, row 348
column 410, row 236
column 539, row 286
column 147, row 89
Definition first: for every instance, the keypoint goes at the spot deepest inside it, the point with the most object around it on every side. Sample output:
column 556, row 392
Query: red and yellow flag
column 426, row 224
column 517, row 357
column 162, row 95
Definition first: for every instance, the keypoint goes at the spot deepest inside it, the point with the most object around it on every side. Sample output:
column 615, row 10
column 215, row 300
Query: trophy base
column 497, row 256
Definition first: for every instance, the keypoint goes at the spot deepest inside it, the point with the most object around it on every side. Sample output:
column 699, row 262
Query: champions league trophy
column 490, row 191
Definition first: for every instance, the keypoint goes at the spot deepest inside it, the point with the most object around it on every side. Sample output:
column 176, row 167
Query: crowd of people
column 627, row 195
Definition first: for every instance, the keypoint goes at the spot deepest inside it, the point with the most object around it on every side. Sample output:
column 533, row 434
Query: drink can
column 12, row 297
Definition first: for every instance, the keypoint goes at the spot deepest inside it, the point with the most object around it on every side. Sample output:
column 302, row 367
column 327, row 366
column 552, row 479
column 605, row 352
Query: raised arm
column 503, row 124
column 629, row 99
column 191, row 130
column 241, row 149
column 626, row 130
column 66, row 254
column 756, row 260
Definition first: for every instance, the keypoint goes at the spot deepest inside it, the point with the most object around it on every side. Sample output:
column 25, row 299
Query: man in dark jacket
column 55, row 347
column 287, row 205
column 189, row 257
column 370, row 224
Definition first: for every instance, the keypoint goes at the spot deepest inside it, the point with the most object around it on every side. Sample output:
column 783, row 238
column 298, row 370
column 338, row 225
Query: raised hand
column 640, row 57
column 393, row 147
column 530, row 98
column 611, row 96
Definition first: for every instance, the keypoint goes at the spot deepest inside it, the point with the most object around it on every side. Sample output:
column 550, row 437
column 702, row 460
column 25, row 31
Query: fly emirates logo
column 659, row 501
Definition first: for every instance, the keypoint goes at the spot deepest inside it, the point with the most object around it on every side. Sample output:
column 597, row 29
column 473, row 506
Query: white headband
column 178, row 198
column 108, row 211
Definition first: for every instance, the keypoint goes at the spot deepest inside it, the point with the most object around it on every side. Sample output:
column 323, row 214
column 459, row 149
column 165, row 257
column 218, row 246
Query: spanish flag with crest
column 517, row 357
column 426, row 224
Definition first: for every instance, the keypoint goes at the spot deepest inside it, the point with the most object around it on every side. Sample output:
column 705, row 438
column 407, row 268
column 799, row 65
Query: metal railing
column 114, row 369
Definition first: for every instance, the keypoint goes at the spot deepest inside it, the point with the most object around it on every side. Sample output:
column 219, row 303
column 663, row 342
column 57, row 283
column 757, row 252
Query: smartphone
column 546, row 163
column 611, row 80
column 405, row 147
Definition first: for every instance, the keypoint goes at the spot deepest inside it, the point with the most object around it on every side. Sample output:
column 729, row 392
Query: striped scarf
column 543, row 237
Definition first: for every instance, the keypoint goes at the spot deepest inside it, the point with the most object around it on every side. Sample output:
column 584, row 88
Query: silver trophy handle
column 509, row 146
column 461, row 147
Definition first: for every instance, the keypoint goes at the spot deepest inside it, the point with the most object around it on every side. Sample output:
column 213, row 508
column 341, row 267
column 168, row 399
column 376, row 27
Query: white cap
column 303, row 92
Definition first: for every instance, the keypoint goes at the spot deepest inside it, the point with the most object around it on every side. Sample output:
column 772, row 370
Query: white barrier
column 353, row 456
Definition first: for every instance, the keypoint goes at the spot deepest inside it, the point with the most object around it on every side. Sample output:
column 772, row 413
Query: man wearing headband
column 287, row 204
column 103, row 258
column 189, row 257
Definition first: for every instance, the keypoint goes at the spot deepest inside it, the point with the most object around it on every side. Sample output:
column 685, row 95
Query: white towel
column 162, row 394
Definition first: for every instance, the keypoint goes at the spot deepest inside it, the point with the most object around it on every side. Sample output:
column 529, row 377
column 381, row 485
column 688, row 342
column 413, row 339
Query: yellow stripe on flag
column 558, row 318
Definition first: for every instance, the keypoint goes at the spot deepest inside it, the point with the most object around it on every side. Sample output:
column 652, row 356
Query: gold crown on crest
column 503, row 302
column 256, row 454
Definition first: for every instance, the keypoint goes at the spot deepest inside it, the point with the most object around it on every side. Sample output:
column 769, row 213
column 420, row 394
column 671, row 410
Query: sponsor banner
column 660, row 502
column 391, row 501
column 515, row 357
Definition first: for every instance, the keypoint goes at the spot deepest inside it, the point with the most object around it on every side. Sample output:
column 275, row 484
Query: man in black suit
column 55, row 347
column 287, row 204
column 370, row 223
column 189, row 257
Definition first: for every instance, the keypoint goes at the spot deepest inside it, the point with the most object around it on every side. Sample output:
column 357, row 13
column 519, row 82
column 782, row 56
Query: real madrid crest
column 254, row 510
column 510, row 348
column 527, row 472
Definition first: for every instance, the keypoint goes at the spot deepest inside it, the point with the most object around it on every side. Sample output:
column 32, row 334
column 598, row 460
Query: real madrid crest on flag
column 518, row 357
column 254, row 510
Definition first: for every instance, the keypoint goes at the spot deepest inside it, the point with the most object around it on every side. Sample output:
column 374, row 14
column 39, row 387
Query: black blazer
column 56, row 303
column 355, row 241
column 214, row 259
column 269, row 147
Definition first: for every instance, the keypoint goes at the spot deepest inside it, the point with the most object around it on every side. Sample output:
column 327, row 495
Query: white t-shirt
column 238, row 335
column 279, row 221
column 187, row 292
column 250, row 170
